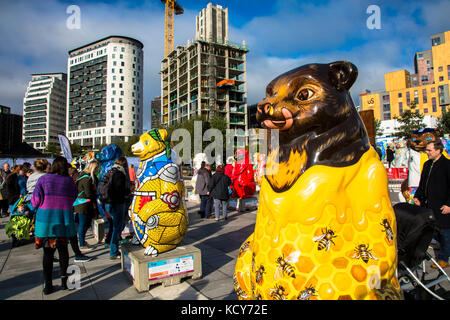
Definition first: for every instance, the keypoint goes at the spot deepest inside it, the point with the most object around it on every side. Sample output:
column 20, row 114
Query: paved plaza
column 102, row 279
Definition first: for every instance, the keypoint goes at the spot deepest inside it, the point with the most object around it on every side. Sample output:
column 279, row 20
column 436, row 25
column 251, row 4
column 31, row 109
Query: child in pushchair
column 415, row 229
column 21, row 224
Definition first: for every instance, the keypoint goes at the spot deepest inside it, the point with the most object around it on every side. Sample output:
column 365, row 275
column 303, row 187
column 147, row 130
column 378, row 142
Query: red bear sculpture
column 243, row 182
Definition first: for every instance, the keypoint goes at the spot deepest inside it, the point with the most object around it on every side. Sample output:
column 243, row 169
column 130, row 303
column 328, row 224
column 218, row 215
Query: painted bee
column 307, row 293
column 285, row 267
column 362, row 251
column 257, row 296
column 278, row 293
column 259, row 274
column 325, row 239
column 239, row 292
column 245, row 246
column 388, row 230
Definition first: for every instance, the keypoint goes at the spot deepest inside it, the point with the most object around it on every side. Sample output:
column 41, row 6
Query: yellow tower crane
column 172, row 7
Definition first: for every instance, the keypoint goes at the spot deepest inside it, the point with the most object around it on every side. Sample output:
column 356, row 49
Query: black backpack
column 104, row 187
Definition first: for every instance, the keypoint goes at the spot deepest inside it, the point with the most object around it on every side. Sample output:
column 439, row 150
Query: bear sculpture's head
column 312, row 108
column 152, row 143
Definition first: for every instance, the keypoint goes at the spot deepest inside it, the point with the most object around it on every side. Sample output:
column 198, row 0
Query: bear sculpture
column 158, row 211
column 325, row 228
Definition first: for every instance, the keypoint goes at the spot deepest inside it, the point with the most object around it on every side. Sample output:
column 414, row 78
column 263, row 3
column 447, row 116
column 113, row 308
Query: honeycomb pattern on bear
column 357, row 261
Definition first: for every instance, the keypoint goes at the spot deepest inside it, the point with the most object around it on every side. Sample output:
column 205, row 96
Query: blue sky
column 281, row 34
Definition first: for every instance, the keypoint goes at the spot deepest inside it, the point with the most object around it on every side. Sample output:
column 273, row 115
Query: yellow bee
column 245, row 246
column 259, row 274
column 307, row 293
column 239, row 292
column 362, row 251
column 325, row 239
column 388, row 230
column 285, row 266
column 278, row 293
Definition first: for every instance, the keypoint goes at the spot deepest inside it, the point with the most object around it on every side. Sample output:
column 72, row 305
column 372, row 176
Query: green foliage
column 409, row 122
column 52, row 148
column 444, row 123
column 217, row 122
column 19, row 226
column 76, row 149
column 378, row 129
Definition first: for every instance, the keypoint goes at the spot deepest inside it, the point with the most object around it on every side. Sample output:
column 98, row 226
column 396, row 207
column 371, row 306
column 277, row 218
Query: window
column 399, row 94
column 441, row 78
column 433, row 89
column 112, row 70
column 114, row 122
column 433, row 104
column 121, row 93
column 112, row 130
column 441, row 68
column 408, row 98
column 122, row 49
column 114, row 63
column 120, row 130
column 425, row 110
column 122, row 64
column 114, row 107
column 112, row 85
column 121, row 122
column 112, row 115
column 400, row 108
column 424, row 96
column 416, row 96
column 121, row 107
column 115, row 49
column 120, row 115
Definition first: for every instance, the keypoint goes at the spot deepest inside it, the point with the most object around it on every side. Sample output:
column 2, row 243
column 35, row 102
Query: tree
column 216, row 122
column 409, row 122
column 52, row 149
column 444, row 123
column 378, row 129
column 76, row 149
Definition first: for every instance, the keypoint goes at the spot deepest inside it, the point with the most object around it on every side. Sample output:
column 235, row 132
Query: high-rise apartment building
column 105, row 91
column 212, row 24
column 207, row 76
column 155, row 113
column 44, row 109
column 428, row 94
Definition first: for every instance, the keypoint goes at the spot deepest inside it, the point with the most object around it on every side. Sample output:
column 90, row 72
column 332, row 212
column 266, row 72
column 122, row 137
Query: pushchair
column 20, row 227
column 415, row 229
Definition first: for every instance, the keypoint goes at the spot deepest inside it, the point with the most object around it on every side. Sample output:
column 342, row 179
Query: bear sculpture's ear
column 342, row 74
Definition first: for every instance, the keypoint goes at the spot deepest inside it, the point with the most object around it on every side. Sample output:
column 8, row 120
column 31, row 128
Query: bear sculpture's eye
column 147, row 142
column 305, row 94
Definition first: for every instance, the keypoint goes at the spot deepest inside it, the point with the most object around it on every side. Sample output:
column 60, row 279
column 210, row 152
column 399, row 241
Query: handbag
column 230, row 191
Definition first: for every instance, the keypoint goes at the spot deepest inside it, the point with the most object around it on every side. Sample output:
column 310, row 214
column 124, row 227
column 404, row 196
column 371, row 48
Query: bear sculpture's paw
column 151, row 251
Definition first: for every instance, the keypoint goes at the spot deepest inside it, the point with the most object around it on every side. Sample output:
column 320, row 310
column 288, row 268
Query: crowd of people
column 213, row 189
column 64, row 202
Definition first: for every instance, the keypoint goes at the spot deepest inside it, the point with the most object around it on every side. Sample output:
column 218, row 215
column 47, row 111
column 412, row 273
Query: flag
column 65, row 147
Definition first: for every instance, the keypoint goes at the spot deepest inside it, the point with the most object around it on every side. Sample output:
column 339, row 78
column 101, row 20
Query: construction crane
column 172, row 7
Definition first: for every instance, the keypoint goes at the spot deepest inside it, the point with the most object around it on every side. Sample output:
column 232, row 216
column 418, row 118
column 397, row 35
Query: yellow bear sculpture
column 158, row 211
column 325, row 227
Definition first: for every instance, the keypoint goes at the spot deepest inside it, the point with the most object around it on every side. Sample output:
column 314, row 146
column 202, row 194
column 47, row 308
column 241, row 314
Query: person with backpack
column 86, row 200
column 114, row 189
column 219, row 190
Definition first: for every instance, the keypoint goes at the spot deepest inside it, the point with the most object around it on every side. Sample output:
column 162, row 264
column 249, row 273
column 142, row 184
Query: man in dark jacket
column 3, row 196
column 218, row 188
column 389, row 155
column 434, row 193
column 201, row 188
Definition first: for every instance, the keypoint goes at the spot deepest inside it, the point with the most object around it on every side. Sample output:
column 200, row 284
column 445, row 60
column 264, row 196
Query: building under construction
column 207, row 76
